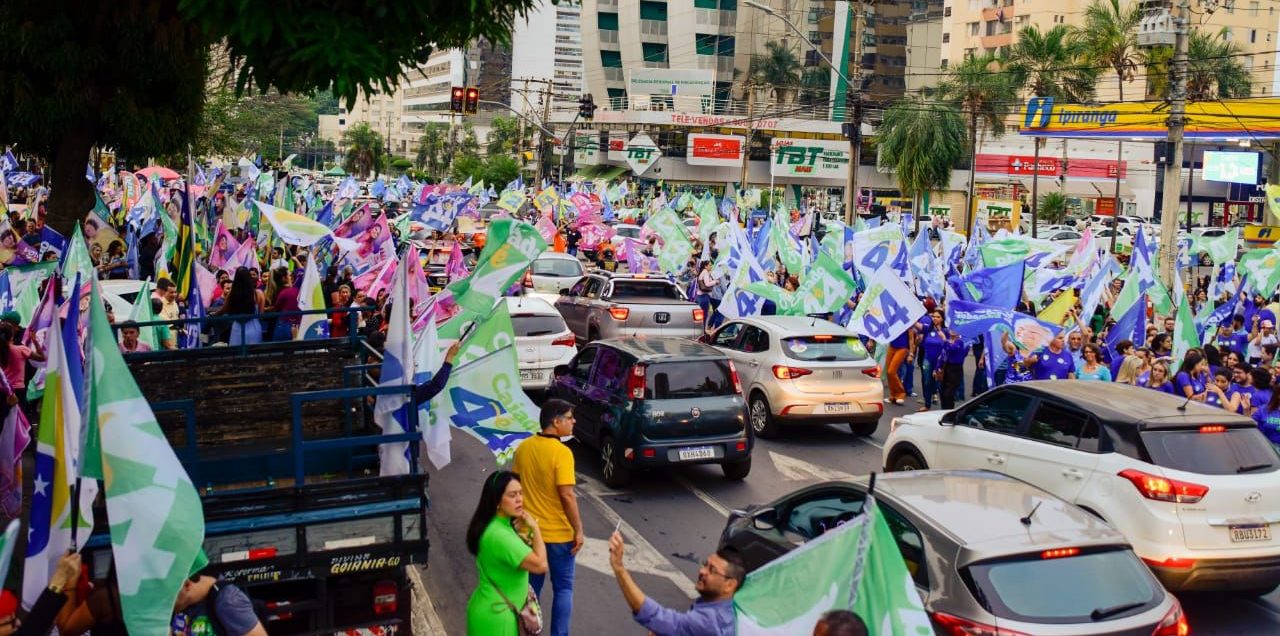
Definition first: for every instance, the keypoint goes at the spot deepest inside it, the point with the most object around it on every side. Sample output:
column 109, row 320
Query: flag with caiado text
column 483, row 396
column 509, row 248
column 826, row 287
column 886, row 309
column 157, row 521
column 676, row 247
column 854, row 566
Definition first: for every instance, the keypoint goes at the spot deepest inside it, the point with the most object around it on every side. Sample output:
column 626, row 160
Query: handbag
column 528, row 620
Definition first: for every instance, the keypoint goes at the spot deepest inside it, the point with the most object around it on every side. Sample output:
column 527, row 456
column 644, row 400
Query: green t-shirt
column 501, row 552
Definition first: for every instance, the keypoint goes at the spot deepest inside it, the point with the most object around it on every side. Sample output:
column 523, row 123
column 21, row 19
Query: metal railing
column 210, row 324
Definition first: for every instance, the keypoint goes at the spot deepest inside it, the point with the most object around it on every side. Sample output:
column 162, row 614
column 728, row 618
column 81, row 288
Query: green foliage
column 921, row 141
column 1052, row 64
column 777, row 67
column 232, row 126
column 1214, row 70
column 1053, row 207
column 364, row 150
column 431, row 148
column 465, row 140
column 979, row 89
column 504, row 136
column 494, row 170
column 1108, row 38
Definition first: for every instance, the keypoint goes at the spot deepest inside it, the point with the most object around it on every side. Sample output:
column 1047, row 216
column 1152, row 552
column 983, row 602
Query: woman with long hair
column 1159, row 379
column 286, row 299
column 1193, row 375
column 13, row 361
column 507, row 544
column 933, row 338
column 340, row 321
column 244, row 300
column 1129, row 371
column 1091, row 366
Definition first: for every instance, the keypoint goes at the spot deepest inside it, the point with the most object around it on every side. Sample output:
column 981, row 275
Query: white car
column 1194, row 488
column 552, row 272
column 624, row 230
column 543, row 341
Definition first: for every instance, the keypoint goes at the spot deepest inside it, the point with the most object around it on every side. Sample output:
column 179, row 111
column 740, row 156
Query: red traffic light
column 472, row 104
column 456, row 99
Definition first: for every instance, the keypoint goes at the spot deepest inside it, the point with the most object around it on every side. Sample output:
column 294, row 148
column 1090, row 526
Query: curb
column 424, row 619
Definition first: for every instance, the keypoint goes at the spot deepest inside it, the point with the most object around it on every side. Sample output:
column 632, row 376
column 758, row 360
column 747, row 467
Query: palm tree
column 778, row 68
column 815, row 87
column 921, row 141
column 1109, row 37
column 1051, row 64
column 1053, row 206
column 980, row 90
column 504, row 136
column 364, row 149
column 431, row 148
column 1214, row 70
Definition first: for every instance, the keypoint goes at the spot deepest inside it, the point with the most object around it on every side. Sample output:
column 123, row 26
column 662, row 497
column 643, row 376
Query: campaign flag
column 376, row 279
column 1130, row 325
column 511, row 200
column 1057, row 311
column 546, row 200
column 436, row 436
column 1221, row 249
column 886, row 309
column 1262, row 266
column 8, row 541
column 292, row 228
column 708, row 218
column 826, row 287
column 245, row 256
column 509, row 248
column 546, row 228
column 676, row 247
column 483, row 396
column 1003, row 251
column 15, row 437
column 8, row 162
column 311, row 296
column 853, row 566
column 456, row 269
column 1092, row 293
column 143, row 312
column 997, row 286
column 739, row 302
column 925, row 267
column 224, row 246
column 974, row 320
column 157, row 521
column 784, row 246
column 397, row 370
column 878, row 247
column 57, row 462
column 324, row 216
column 184, row 253
column 1185, row 335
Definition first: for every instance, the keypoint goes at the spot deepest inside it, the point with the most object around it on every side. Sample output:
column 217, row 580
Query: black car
column 651, row 402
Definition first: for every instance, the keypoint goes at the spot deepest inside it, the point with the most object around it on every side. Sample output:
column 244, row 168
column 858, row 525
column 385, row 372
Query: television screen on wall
column 1231, row 167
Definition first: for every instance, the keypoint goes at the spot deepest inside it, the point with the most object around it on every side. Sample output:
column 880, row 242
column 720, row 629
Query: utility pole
column 751, row 129
column 855, row 115
column 542, row 136
column 1035, row 188
column 1173, row 166
column 524, row 97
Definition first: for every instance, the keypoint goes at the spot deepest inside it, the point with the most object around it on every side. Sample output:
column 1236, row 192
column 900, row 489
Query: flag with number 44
column 886, row 309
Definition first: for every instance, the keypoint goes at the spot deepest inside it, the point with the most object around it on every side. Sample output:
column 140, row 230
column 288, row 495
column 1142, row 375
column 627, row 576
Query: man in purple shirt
column 1053, row 362
column 719, row 578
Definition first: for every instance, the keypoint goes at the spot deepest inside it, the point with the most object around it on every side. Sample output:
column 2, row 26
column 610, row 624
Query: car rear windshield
column 557, row 267
column 824, row 348
column 1086, row 588
column 690, row 379
column 537, row 325
column 645, row 289
column 1229, row 452
column 629, row 232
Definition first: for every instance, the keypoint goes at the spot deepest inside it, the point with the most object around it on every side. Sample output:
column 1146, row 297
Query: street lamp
column 851, row 184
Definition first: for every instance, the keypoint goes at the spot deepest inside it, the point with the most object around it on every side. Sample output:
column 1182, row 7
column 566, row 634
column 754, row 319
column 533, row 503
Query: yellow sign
column 997, row 214
column 1256, row 236
column 1224, row 120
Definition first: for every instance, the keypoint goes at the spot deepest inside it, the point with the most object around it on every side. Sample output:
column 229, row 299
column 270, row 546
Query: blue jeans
column 930, row 384
column 908, row 374
column 560, row 562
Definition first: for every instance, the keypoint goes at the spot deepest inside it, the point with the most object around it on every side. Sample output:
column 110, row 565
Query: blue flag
column 8, row 163
column 996, row 286
column 1130, row 324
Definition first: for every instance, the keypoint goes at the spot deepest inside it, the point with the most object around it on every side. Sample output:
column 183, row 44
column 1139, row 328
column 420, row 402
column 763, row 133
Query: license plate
column 530, row 374
column 837, row 407
column 705, row 452
column 1251, row 532
column 662, row 317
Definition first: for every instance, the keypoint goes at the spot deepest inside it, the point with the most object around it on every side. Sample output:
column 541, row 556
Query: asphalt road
column 672, row 520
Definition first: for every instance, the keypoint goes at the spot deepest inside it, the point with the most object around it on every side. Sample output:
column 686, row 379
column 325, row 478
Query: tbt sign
column 809, row 158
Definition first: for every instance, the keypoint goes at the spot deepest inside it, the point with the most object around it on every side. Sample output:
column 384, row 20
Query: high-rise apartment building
column 924, row 45
column 547, row 55
column 972, row 27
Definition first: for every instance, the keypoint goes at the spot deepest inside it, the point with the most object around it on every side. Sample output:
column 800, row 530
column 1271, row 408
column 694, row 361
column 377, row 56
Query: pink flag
column 546, row 228
column 419, row 289
column 376, row 280
column 593, row 235
column 245, row 256
column 455, row 268
column 224, row 246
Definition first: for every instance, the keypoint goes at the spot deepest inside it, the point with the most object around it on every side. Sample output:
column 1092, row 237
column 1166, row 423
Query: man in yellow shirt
column 545, row 466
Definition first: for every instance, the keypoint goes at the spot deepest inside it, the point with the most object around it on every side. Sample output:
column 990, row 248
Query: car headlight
column 893, row 425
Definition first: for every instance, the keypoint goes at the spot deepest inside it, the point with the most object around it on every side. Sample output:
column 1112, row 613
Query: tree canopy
column 131, row 75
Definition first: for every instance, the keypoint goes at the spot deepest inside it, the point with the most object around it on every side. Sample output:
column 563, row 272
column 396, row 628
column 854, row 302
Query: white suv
column 1195, row 489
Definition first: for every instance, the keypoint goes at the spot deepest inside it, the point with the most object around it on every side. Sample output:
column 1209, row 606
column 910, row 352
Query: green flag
column 1263, row 267
column 157, row 522
column 1222, row 249
column 785, row 247
column 676, row 247
column 510, row 247
column 143, row 312
column 826, row 287
column 1003, row 252
column 855, row 567
column 1184, row 331
column 708, row 217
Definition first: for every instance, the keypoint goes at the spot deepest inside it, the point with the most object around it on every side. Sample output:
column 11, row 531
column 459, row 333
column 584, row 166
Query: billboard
column 809, row 158
column 1231, row 167
column 715, row 150
column 1219, row 120
column 671, row 81
column 641, row 153
column 586, row 150
column 617, row 146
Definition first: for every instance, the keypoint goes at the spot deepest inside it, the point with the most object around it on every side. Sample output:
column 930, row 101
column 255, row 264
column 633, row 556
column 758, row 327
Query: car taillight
column 635, row 382
column 873, row 372
column 737, row 383
column 619, row 313
column 956, row 626
column 1171, row 562
column 385, row 598
column 783, row 372
column 1213, row 428
column 1162, row 489
column 1174, row 622
column 566, row 341
column 699, row 315
column 1059, row 553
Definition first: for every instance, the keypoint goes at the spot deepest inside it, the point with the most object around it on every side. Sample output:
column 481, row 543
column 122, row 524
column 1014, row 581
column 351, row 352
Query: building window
column 705, row 44
column 611, row 59
column 650, row 10
column 728, row 5
column 725, row 47
column 946, row 12
column 706, row 4
column 1253, row 35
column 943, row 64
column 1253, row 9
column 973, row 29
column 607, row 21
column 946, row 37
column 654, row 52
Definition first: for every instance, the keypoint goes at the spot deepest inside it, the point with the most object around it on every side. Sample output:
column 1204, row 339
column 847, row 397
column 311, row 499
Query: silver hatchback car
column 796, row 369
column 989, row 554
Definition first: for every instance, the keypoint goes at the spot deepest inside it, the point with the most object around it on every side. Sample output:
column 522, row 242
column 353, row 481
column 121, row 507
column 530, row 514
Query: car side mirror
column 765, row 519
column 564, row 292
column 560, row 370
column 948, row 418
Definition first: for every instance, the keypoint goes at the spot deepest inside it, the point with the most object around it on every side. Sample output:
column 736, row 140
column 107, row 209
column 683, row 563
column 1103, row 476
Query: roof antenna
column 1026, row 521
column 1188, row 401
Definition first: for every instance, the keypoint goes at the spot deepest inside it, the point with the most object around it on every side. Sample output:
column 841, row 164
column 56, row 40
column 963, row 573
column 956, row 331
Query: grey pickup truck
column 606, row 304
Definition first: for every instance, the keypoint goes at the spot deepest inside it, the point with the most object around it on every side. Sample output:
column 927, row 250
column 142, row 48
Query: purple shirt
column 955, row 352
column 1053, row 366
column 1237, row 342
column 705, row 618
column 1183, row 379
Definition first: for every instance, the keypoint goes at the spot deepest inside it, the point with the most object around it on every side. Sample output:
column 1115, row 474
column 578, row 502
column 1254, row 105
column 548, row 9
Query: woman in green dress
column 508, row 546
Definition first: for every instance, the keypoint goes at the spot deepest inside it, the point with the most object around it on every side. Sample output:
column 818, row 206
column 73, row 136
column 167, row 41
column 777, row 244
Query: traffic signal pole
column 1173, row 168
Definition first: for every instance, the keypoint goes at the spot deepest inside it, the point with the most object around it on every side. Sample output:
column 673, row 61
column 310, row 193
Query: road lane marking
column 641, row 555
column 794, row 469
column 872, row 442
column 703, row 496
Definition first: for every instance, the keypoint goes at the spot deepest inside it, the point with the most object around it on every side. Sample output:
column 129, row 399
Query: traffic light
column 455, row 99
column 473, row 101
column 586, row 107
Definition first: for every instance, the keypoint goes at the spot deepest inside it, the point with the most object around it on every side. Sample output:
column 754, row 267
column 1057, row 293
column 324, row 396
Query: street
column 672, row 520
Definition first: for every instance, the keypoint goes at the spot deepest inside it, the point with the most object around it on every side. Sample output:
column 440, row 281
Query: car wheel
column 762, row 423
column 907, row 461
column 864, row 429
column 615, row 474
column 593, row 334
column 736, row 471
